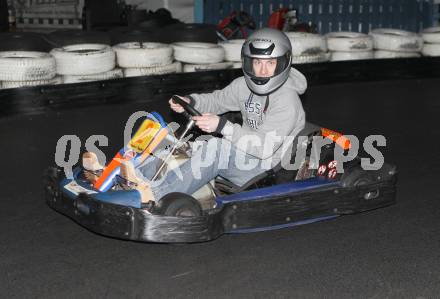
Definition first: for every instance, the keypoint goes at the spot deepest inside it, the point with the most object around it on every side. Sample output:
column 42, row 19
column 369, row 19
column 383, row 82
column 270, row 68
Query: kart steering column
column 193, row 112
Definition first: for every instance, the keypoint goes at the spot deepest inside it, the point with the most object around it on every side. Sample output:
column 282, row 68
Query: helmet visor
column 262, row 69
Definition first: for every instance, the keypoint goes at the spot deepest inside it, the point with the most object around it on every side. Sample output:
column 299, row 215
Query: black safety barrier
column 34, row 100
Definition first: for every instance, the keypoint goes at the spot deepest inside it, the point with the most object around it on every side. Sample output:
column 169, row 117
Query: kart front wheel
column 179, row 205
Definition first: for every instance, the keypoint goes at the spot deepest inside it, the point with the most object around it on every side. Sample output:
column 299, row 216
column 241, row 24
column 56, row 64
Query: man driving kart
column 266, row 96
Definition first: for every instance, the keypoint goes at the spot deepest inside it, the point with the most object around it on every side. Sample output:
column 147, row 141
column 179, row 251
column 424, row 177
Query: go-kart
column 275, row 199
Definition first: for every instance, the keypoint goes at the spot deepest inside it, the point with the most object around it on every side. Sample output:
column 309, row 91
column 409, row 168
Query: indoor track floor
column 392, row 252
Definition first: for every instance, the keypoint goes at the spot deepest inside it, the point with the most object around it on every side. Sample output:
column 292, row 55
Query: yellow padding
column 144, row 135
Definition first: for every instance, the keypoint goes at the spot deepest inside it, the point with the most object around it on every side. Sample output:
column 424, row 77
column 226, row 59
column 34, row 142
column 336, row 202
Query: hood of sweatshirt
column 297, row 81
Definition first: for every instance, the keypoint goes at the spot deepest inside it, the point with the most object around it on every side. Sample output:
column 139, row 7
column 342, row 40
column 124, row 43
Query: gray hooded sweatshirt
column 267, row 119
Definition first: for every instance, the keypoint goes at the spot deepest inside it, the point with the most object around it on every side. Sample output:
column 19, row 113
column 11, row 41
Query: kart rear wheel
column 356, row 177
column 179, row 205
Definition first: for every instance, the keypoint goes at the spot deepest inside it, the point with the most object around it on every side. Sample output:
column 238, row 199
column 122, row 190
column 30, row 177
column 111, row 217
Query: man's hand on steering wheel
column 176, row 107
column 207, row 122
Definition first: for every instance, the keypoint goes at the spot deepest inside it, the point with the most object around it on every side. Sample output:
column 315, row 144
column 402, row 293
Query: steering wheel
column 188, row 108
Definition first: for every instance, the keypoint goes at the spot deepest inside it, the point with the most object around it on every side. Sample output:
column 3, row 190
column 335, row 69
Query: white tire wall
column 306, row 43
column 84, row 59
column 232, row 49
column 26, row 66
column 349, row 41
column 312, row 58
column 16, row 84
column 113, row 74
column 381, row 54
column 237, row 65
column 340, row 56
column 198, row 53
column 431, row 35
column 138, row 55
column 175, row 67
column 188, row 68
column 431, row 50
column 396, row 40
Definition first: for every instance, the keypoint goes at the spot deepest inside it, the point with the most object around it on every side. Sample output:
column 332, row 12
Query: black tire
column 162, row 13
column 152, row 24
column 63, row 38
column 133, row 34
column 157, row 23
column 158, row 19
column 356, row 176
column 190, row 33
column 24, row 41
column 179, row 205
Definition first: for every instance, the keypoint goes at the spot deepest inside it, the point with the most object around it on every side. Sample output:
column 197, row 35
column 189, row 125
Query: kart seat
column 225, row 186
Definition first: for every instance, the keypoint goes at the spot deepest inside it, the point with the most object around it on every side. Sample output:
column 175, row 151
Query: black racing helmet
column 266, row 43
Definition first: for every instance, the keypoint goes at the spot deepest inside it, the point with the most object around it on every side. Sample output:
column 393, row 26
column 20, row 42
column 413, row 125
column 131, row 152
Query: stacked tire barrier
column 146, row 58
column 27, row 68
column 431, row 38
column 395, row 43
column 349, row 46
column 200, row 56
column 30, row 59
column 308, row 47
column 85, row 62
column 83, row 56
column 233, row 51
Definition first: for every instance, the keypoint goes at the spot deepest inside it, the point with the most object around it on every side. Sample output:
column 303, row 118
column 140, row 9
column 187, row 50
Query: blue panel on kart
column 157, row 117
column 76, row 171
column 273, row 227
column 123, row 197
column 130, row 198
column 66, row 181
column 277, row 190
